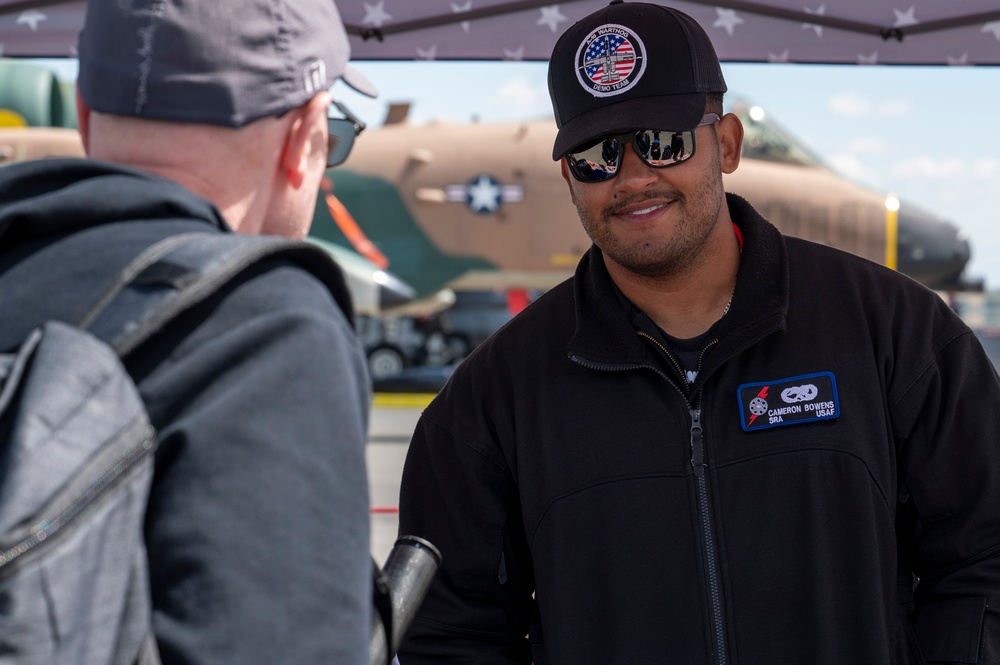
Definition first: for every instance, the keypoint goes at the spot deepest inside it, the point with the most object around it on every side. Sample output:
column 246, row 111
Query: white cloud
column 848, row 164
column 518, row 97
column 923, row 166
column 852, row 104
column 849, row 104
column 894, row 108
column 985, row 168
column 867, row 145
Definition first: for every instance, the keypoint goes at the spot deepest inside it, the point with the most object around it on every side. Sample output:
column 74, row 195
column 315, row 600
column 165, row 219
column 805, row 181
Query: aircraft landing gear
column 385, row 362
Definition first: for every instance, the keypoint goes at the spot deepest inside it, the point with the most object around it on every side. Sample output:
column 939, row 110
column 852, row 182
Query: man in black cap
column 213, row 117
column 714, row 444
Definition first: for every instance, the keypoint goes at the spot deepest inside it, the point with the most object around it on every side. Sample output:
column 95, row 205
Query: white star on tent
column 960, row 61
column 906, row 18
column 31, row 18
column 427, row 54
column 375, row 14
column 484, row 195
column 727, row 19
column 868, row 59
column 819, row 11
column 552, row 17
column 516, row 54
column 778, row 57
column 459, row 9
column 993, row 27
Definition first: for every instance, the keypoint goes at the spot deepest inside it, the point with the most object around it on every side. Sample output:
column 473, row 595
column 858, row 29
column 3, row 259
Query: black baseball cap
column 211, row 61
column 630, row 65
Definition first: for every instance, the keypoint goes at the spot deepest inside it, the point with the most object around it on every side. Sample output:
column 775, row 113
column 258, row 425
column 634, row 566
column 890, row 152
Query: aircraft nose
column 929, row 249
column 392, row 291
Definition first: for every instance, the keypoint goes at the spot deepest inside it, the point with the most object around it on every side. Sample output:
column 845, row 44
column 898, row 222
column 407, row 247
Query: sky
column 924, row 134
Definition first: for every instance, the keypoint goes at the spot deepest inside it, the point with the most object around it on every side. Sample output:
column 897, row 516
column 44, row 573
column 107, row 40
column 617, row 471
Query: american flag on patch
column 609, row 58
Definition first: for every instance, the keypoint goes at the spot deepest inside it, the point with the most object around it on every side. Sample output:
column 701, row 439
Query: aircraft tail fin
column 397, row 113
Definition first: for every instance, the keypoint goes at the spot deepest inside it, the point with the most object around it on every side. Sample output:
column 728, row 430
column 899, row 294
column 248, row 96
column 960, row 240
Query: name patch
column 798, row 399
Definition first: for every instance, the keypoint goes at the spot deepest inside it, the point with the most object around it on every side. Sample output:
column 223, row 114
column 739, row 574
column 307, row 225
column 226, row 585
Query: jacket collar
column 604, row 335
column 52, row 197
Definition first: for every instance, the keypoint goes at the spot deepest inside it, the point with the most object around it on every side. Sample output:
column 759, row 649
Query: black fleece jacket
column 842, row 438
column 257, row 527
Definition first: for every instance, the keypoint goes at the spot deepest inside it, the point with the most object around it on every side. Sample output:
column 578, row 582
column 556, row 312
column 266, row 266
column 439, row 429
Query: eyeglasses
column 342, row 132
column 598, row 160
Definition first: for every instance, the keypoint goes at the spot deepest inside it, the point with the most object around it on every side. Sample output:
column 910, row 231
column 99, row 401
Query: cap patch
column 799, row 399
column 314, row 76
column 610, row 60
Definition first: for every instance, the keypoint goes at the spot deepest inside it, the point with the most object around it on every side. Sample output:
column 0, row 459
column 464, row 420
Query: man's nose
column 633, row 172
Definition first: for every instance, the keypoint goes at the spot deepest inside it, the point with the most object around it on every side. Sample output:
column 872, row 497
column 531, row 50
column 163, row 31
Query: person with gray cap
column 212, row 117
column 713, row 444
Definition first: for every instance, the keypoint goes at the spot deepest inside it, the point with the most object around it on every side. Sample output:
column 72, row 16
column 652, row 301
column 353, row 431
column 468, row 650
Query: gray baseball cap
column 219, row 62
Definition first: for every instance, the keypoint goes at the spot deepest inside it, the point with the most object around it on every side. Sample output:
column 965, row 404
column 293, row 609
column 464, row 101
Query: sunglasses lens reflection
column 658, row 148
column 596, row 162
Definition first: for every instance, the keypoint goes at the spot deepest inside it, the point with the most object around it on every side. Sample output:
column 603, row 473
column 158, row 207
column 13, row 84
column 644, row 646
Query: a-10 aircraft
column 480, row 208
column 419, row 213
column 483, row 206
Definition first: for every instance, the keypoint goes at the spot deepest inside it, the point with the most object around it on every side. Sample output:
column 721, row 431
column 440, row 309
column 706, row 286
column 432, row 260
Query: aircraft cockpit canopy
column 763, row 139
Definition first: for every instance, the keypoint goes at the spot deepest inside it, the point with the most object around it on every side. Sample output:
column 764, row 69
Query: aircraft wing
column 373, row 290
column 21, row 143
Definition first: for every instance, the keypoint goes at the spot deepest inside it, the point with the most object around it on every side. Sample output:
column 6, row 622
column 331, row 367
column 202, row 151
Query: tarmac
column 393, row 417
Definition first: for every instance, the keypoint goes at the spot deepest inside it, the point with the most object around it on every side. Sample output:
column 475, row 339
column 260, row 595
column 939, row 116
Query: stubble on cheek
column 649, row 256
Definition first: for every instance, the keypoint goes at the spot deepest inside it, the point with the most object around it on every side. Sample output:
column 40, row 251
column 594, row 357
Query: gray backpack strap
column 182, row 271
column 148, row 257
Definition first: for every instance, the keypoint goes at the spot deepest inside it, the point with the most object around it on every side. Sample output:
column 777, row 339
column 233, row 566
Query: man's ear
column 305, row 139
column 730, row 133
column 83, row 120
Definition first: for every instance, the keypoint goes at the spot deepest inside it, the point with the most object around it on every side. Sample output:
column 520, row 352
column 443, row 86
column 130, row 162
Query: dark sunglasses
column 342, row 132
column 598, row 160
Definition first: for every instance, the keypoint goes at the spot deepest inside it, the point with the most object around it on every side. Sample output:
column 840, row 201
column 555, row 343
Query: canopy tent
column 914, row 32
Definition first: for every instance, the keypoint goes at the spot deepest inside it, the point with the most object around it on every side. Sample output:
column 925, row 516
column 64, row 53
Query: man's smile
column 641, row 211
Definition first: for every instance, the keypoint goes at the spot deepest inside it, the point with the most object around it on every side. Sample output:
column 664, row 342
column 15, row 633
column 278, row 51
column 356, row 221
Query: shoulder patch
column 797, row 399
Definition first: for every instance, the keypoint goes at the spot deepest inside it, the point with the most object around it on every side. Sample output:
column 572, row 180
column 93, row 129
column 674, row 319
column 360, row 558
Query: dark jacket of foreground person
column 658, row 522
column 257, row 523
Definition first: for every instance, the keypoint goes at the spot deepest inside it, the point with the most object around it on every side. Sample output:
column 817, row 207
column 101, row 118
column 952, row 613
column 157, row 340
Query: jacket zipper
column 69, row 505
column 707, row 532
column 673, row 361
column 698, row 467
